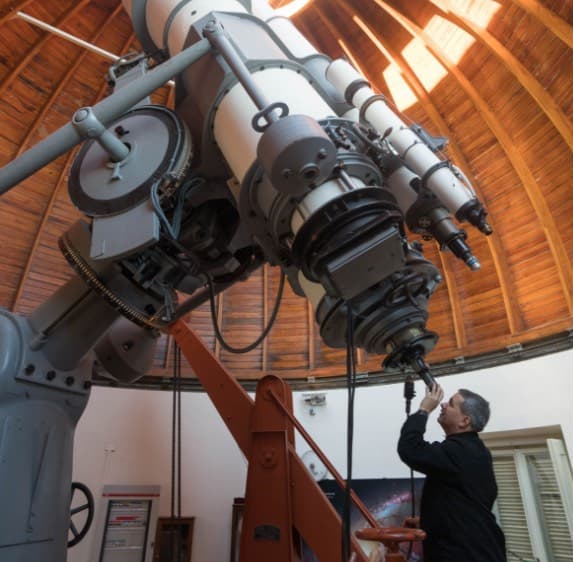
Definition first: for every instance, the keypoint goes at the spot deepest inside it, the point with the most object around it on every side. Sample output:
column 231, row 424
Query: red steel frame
column 282, row 500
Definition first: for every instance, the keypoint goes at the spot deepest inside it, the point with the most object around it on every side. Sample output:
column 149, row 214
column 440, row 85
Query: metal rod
column 355, row 499
column 106, row 111
column 215, row 34
column 87, row 125
column 73, row 39
column 67, row 36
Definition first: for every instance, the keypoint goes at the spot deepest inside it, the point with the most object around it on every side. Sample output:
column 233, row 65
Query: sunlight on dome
column 423, row 63
column 401, row 93
column 479, row 12
column 453, row 40
column 292, row 8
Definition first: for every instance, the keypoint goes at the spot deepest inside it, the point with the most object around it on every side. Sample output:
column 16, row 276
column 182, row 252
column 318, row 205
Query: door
column 173, row 538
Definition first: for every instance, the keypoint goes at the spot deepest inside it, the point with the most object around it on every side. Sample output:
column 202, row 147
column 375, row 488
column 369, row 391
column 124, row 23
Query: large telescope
column 320, row 174
column 274, row 153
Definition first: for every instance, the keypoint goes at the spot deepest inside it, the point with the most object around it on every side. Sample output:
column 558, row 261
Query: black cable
column 351, row 385
column 173, row 451
column 172, row 230
column 412, row 493
column 265, row 332
column 178, row 370
column 176, row 456
column 409, row 393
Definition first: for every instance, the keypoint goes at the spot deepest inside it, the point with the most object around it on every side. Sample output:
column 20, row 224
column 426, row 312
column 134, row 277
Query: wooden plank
column 549, row 19
column 220, row 299
column 543, row 98
column 37, row 47
column 11, row 8
column 64, row 82
column 339, row 370
column 544, row 216
column 455, row 305
column 353, row 56
column 55, row 192
column 45, row 217
column 311, row 336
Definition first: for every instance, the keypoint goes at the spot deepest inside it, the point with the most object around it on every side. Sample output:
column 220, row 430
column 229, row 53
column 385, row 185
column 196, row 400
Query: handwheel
column 88, row 506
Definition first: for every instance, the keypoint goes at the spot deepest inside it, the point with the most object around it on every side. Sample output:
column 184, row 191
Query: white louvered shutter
column 535, row 501
column 510, row 508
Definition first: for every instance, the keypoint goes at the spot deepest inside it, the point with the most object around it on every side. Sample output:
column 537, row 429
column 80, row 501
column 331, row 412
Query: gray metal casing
column 37, row 422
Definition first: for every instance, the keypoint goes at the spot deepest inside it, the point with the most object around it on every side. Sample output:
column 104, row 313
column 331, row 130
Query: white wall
column 136, row 425
column 533, row 393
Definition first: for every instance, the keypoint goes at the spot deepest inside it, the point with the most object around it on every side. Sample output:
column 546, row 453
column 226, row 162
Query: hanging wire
column 409, row 393
column 178, row 449
column 173, row 228
column 351, row 386
column 176, row 456
column 265, row 332
column 173, row 435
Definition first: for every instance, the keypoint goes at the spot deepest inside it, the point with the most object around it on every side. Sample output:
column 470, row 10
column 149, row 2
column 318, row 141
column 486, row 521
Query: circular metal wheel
column 88, row 506
column 160, row 148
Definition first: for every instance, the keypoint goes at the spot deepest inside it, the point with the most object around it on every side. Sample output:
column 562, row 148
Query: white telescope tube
column 232, row 124
column 286, row 31
column 158, row 13
column 262, row 10
column 418, row 157
column 293, row 39
column 233, row 130
column 319, row 197
column 400, row 187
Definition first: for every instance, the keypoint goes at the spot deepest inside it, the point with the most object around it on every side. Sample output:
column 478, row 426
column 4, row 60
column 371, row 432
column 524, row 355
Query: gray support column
column 39, row 409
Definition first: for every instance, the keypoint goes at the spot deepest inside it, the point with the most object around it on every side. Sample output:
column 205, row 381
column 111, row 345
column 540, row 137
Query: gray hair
column 476, row 407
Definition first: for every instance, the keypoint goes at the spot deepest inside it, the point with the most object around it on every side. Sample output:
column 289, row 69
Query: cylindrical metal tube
column 399, row 184
column 320, row 196
column 417, row 156
column 293, row 39
column 220, row 41
column 232, row 125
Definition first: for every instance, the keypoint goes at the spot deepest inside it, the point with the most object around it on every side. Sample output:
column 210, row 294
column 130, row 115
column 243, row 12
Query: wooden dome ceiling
column 496, row 78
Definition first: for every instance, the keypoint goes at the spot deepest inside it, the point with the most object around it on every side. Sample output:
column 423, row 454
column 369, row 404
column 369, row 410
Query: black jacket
column 458, row 495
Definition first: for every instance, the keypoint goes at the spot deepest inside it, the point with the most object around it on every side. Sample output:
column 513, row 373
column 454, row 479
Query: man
column 460, row 486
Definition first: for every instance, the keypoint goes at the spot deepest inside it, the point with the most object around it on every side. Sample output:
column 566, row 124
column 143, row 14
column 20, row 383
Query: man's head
column 464, row 411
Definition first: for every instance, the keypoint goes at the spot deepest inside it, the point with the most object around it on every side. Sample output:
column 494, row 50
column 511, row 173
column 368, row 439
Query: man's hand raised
column 432, row 398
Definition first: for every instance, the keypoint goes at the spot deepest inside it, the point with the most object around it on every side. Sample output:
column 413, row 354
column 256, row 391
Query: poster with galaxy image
column 388, row 499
